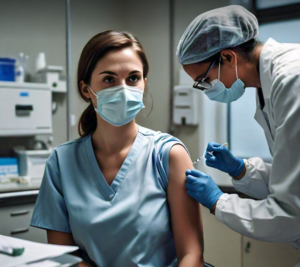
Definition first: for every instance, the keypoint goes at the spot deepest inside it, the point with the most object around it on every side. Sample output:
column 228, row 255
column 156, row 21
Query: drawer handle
column 24, row 107
column 18, row 213
column 23, row 110
column 19, row 231
column 248, row 247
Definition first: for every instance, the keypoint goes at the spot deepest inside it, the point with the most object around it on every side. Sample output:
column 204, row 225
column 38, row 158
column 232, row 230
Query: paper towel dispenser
column 185, row 106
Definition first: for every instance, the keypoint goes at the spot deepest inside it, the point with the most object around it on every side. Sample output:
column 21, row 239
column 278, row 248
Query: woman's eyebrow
column 108, row 72
column 134, row 71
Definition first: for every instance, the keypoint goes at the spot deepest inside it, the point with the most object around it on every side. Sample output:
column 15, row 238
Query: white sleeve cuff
column 245, row 180
column 220, row 206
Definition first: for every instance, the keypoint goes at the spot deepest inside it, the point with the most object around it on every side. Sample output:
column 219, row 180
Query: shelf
column 25, row 85
column 17, row 187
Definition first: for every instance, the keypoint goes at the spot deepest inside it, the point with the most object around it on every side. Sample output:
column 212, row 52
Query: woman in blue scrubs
column 118, row 192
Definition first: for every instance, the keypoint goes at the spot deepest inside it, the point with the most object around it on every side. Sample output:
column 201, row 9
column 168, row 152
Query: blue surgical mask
column 120, row 104
column 220, row 93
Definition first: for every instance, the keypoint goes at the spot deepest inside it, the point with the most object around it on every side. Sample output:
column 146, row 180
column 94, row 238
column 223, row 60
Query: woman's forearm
column 191, row 260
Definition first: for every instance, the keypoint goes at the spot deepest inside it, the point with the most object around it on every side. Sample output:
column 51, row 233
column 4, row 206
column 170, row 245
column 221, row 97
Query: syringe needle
column 210, row 152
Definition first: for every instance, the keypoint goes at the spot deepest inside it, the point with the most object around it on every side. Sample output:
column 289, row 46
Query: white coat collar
column 265, row 66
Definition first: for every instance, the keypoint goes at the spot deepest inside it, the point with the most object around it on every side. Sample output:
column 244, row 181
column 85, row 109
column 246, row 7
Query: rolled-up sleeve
column 50, row 211
column 256, row 180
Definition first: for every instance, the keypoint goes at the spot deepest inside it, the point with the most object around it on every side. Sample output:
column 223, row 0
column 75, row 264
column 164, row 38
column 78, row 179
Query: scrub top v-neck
column 125, row 224
column 110, row 191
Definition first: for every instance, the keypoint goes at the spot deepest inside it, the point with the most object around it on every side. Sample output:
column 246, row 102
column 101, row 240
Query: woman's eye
column 109, row 79
column 134, row 78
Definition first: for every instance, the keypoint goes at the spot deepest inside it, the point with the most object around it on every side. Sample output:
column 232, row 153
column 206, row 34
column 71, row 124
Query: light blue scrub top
column 125, row 224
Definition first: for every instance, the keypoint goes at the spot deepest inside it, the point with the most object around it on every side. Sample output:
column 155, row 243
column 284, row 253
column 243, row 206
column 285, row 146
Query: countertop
column 18, row 187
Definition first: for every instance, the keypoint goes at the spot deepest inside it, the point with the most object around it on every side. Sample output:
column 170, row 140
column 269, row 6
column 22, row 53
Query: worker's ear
column 145, row 83
column 84, row 88
column 229, row 58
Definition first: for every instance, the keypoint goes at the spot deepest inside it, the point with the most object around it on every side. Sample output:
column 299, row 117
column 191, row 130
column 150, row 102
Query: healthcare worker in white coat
column 220, row 51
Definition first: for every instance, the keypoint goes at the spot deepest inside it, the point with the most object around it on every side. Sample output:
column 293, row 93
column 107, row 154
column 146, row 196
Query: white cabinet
column 25, row 109
column 263, row 254
column 226, row 248
column 15, row 222
column 222, row 246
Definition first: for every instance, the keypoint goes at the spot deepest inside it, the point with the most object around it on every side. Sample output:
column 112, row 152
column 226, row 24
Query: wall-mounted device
column 25, row 109
column 185, row 103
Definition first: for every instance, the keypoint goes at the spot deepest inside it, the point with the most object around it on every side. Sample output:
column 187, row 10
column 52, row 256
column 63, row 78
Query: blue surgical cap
column 214, row 31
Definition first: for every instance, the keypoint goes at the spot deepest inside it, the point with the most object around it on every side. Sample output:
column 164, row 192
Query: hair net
column 214, row 31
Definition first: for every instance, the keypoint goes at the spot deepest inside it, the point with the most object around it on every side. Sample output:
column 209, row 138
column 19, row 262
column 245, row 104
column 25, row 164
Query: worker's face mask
column 120, row 104
column 218, row 91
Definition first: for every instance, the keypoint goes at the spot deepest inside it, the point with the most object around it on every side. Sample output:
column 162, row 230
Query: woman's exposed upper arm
column 60, row 238
column 185, row 211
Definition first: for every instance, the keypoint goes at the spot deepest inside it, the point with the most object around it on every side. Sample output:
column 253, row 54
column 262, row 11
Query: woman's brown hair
column 94, row 50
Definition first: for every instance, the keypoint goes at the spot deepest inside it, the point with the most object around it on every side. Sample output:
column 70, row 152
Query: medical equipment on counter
column 52, row 75
column 211, row 153
column 8, row 169
column 25, row 109
column 7, row 69
column 40, row 62
column 32, row 162
column 20, row 75
column 21, row 68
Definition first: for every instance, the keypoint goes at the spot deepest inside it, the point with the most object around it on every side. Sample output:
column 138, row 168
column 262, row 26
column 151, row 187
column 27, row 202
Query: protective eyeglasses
column 202, row 84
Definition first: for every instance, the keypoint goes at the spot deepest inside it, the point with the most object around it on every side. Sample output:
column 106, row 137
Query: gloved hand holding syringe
column 201, row 186
column 210, row 152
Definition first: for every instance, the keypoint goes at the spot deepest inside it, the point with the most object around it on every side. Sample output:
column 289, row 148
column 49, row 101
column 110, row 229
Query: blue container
column 9, row 166
column 7, row 69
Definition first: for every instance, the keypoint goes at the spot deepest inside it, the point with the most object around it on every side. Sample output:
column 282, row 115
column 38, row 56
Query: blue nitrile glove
column 223, row 159
column 202, row 188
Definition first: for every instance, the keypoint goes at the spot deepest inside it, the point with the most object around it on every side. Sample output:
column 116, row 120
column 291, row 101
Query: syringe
column 211, row 153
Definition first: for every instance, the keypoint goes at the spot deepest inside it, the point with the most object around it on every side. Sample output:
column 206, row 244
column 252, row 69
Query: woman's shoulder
column 157, row 135
column 73, row 144
column 66, row 150
column 160, row 140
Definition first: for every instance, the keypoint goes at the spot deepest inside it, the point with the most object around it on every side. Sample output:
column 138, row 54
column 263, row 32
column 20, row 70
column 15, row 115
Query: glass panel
column 261, row 4
column 247, row 137
column 282, row 31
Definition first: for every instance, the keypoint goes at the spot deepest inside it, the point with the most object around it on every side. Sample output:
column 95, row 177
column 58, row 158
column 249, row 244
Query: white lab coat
column 276, row 216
